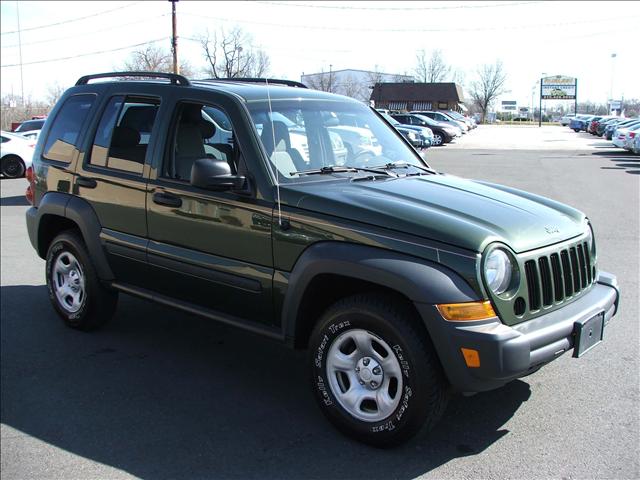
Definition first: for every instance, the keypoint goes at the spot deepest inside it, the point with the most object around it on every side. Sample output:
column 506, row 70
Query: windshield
column 301, row 135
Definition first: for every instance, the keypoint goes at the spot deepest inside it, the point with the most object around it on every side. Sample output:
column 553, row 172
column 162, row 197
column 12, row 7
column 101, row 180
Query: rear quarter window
column 61, row 144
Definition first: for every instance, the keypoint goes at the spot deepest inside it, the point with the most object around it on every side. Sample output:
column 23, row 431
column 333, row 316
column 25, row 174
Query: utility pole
column 330, row 87
column 20, row 56
column 174, row 37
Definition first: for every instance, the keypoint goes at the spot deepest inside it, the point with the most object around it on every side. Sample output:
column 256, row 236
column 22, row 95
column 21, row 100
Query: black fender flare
column 420, row 280
column 82, row 214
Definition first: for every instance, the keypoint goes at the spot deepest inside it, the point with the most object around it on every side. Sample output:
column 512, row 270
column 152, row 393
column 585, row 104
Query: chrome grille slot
column 575, row 270
column 556, row 270
column 583, row 268
column 566, row 273
column 585, row 247
column 545, row 280
column 533, row 285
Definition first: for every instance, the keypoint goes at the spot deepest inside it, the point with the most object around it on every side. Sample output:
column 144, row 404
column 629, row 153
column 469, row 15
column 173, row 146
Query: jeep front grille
column 554, row 278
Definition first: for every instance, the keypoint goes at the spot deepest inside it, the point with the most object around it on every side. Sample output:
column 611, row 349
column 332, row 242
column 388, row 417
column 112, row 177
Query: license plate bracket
column 588, row 333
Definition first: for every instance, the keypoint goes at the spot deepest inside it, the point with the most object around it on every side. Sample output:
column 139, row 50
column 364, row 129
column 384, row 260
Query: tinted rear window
column 63, row 136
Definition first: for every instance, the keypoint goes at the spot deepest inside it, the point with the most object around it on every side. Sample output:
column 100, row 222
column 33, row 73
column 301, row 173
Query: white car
column 566, row 120
column 31, row 135
column 620, row 134
column 16, row 154
column 631, row 138
column 357, row 140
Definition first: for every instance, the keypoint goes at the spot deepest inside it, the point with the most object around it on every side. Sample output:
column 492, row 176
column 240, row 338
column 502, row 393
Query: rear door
column 113, row 177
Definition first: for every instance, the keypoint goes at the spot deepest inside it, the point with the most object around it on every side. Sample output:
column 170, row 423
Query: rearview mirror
column 214, row 174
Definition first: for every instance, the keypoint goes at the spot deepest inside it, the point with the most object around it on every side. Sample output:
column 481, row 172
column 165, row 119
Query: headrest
column 207, row 129
column 125, row 137
column 192, row 113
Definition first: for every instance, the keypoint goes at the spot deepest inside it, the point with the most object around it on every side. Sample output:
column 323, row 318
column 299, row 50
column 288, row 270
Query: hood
column 460, row 212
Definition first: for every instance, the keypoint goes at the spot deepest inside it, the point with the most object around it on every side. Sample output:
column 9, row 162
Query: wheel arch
column 60, row 211
column 328, row 271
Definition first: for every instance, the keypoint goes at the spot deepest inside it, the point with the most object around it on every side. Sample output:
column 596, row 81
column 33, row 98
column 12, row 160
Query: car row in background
column 623, row 132
column 16, row 153
column 443, row 126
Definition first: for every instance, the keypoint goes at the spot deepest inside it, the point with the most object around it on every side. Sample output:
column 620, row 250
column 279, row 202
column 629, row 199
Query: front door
column 209, row 248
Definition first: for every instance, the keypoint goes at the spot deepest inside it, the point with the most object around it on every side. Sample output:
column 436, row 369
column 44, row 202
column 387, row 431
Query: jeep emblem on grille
column 552, row 229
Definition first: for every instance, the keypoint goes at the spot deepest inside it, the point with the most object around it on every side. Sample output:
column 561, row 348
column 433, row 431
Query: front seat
column 285, row 158
column 189, row 146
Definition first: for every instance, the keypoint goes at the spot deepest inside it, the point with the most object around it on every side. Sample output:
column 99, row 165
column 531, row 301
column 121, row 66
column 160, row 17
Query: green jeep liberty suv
column 305, row 217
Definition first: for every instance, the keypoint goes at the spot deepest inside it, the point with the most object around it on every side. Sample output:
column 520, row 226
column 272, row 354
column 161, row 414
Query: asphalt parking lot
column 161, row 394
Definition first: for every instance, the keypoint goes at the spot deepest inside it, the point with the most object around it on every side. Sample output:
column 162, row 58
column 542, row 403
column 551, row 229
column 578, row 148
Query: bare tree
column 233, row 55
column 54, row 92
column 323, row 81
column 431, row 69
column 153, row 58
column 490, row 84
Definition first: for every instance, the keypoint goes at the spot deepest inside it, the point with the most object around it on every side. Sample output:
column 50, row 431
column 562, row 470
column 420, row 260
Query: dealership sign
column 558, row 88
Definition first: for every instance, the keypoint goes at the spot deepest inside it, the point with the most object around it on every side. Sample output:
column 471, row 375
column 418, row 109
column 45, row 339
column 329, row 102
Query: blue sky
column 62, row 41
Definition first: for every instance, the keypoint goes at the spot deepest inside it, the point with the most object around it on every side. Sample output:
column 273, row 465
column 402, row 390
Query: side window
column 61, row 142
column 200, row 131
column 4, row 139
column 123, row 134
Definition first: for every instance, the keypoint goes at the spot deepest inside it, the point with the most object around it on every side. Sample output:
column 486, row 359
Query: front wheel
column 437, row 139
column 374, row 371
column 576, row 130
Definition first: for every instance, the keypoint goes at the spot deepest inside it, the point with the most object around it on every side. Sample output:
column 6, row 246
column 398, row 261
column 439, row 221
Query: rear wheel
column 74, row 287
column 576, row 130
column 12, row 166
column 374, row 371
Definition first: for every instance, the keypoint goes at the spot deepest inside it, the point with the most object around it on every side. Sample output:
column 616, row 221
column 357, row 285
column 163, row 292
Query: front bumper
column 509, row 352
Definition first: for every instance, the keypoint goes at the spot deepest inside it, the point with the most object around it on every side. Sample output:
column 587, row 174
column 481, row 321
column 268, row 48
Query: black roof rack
column 173, row 77
column 290, row 83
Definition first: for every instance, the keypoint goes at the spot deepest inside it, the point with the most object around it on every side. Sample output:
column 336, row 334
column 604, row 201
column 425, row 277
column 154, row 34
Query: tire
column 437, row 139
column 12, row 166
column 576, row 130
column 75, row 290
column 374, row 341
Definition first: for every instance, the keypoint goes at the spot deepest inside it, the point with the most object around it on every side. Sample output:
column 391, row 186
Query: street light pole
column 613, row 56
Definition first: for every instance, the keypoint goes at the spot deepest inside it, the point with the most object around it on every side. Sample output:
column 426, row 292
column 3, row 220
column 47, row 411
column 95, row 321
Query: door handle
column 86, row 182
column 167, row 199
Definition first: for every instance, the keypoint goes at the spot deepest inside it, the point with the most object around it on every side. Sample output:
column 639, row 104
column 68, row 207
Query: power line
column 113, row 27
column 448, row 7
column 72, row 19
column 410, row 30
column 85, row 54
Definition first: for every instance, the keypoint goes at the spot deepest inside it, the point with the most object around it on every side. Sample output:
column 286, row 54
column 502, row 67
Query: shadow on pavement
column 160, row 394
column 620, row 158
column 16, row 201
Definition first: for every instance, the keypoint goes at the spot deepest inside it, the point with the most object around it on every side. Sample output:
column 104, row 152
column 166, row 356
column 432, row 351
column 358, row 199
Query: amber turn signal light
column 471, row 357
column 464, row 312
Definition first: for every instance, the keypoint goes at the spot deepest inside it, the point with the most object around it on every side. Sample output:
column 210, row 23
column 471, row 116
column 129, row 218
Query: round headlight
column 497, row 271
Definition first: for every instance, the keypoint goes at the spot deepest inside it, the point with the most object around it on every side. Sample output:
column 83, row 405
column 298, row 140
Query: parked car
column 579, row 121
column 443, row 117
column 630, row 138
column 424, row 134
column 16, row 153
column 636, row 145
column 602, row 125
column 608, row 131
column 30, row 125
column 463, row 118
column 31, row 135
column 566, row 119
column 405, row 285
column 442, row 132
column 620, row 134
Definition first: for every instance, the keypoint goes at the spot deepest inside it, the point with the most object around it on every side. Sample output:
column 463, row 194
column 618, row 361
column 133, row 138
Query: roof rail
column 173, row 77
column 290, row 83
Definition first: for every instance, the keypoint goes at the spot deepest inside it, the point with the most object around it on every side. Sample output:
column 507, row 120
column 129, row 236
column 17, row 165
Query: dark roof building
column 418, row 96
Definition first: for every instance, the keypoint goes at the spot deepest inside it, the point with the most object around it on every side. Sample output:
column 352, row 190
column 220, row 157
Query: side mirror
column 213, row 174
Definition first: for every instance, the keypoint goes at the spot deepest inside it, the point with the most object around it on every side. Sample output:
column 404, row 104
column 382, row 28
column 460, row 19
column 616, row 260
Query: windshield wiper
column 336, row 169
column 392, row 165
